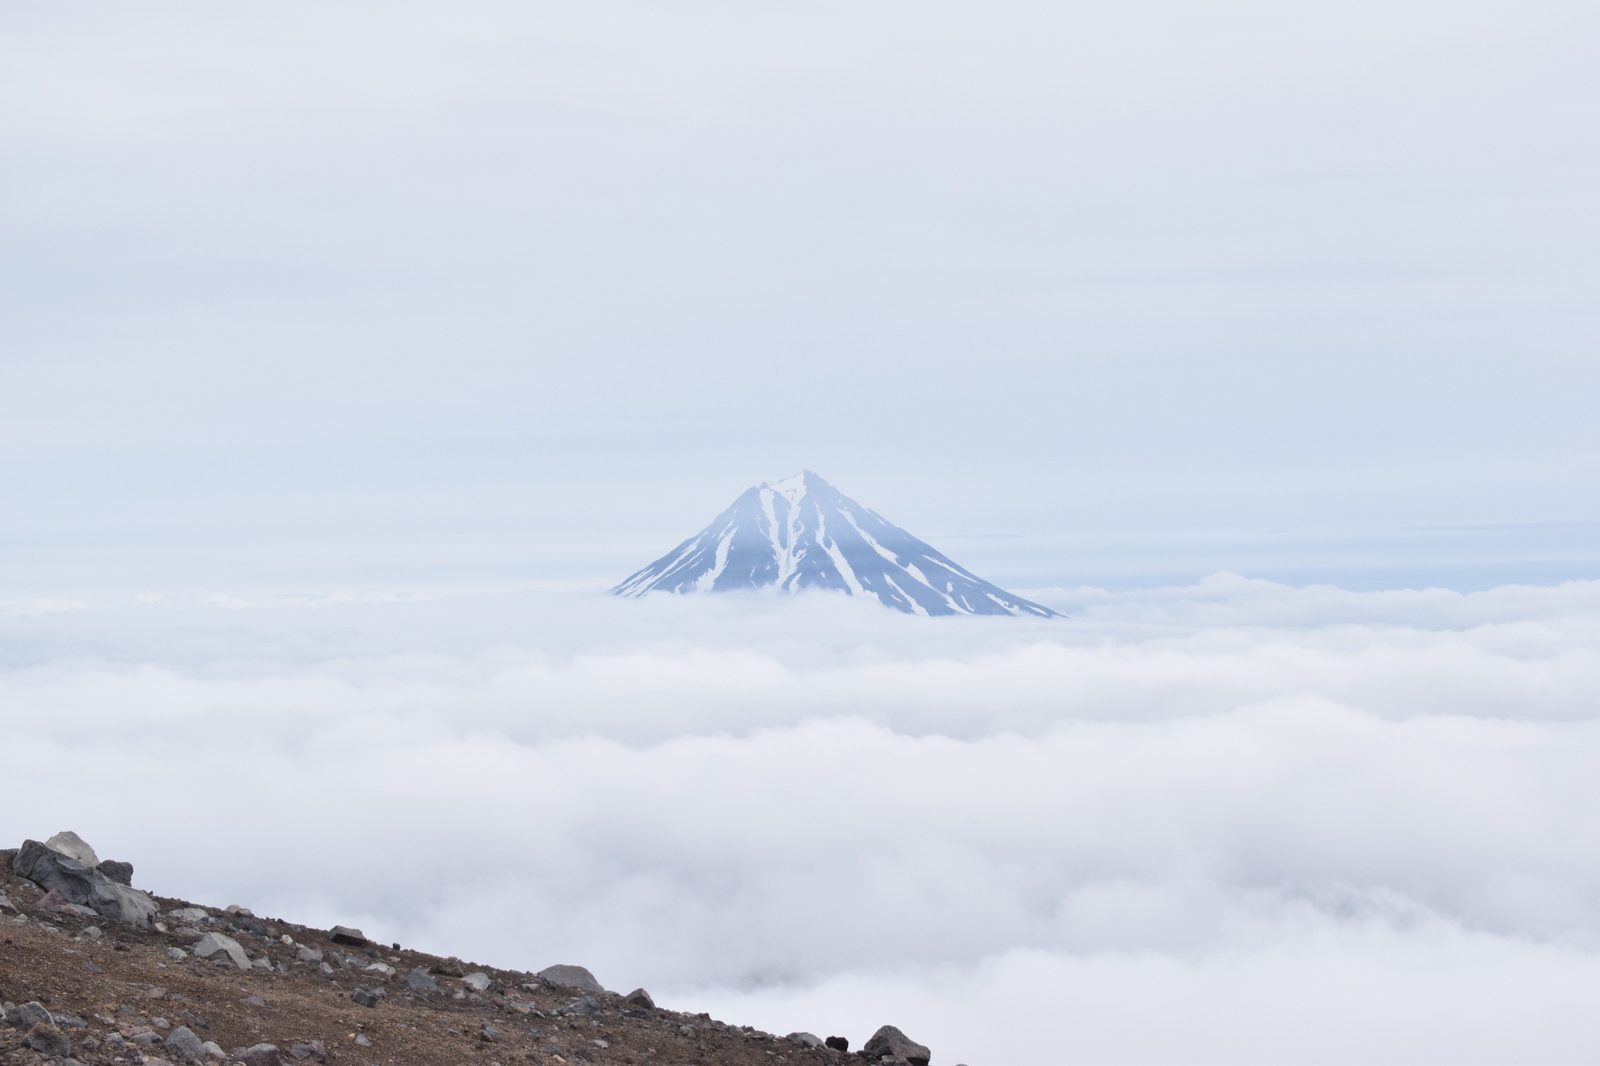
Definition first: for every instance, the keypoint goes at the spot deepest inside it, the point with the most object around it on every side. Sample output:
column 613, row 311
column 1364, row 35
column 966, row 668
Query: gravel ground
column 127, row 982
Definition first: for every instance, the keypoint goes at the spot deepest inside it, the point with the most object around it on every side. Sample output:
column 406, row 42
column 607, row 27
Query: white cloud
column 1277, row 824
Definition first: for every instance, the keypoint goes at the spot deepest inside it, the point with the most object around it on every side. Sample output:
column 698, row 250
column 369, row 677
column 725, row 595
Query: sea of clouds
column 1233, row 822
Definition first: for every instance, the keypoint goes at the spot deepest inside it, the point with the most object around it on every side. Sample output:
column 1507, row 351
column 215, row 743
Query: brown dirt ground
column 125, row 981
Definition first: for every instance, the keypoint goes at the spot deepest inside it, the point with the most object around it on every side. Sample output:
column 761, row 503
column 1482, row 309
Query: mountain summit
column 802, row 533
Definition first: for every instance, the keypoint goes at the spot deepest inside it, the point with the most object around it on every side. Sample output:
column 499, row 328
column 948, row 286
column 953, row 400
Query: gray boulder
column 478, row 982
column 421, row 981
column 214, row 944
column 81, row 884
column 311, row 1049
column 571, row 977
column 73, row 846
column 343, row 934
column 307, row 953
column 804, row 1039
column 260, row 1055
column 185, row 1045
column 28, row 1015
column 889, row 1041
column 367, row 997
column 46, row 1039
column 837, row 1043
column 640, row 998
column 120, row 872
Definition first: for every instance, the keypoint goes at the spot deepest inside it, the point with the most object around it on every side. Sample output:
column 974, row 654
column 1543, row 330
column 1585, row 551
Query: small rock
column 80, row 910
column 263, row 963
column 838, row 1043
column 259, row 1055
column 177, row 954
column 120, row 872
column 51, row 902
column 92, row 968
column 422, row 981
column 235, row 909
column 362, row 1041
column 160, row 1023
column 73, row 846
column 327, row 971
column 571, row 977
column 640, row 998
column 185, row 1045
column 253, row 1001
column 306, row 953
column 889, row 1041
column 147, row 1039
column 246, row 923
column 48, row 1040
column 188, row 914
column 489, row 1034
column 214, row 1050
column 93, row 932
column 367, row 997
column 581, row 1005
column 476, row 981
column 343, row 934
column 804, row 1039
column 213, row 944
column 383, row 968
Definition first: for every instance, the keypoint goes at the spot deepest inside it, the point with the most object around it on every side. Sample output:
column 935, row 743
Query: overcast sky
column 1079, row 292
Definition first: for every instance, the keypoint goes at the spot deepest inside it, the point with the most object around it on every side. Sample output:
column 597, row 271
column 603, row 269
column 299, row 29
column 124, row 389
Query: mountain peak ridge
column 800, row 532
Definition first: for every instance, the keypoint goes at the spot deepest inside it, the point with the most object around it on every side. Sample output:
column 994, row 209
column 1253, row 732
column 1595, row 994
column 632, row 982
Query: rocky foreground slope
column 94, row 971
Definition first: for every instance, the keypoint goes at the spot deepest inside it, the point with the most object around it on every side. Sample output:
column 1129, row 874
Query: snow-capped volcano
column 802, row 533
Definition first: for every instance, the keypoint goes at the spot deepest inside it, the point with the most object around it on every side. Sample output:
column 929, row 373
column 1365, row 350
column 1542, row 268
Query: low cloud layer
column 1232, row 822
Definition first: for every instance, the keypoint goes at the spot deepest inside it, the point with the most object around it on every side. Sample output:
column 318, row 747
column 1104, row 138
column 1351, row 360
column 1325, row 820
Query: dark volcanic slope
column 128, row 982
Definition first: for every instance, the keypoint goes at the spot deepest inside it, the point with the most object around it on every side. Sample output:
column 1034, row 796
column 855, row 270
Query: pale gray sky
column 1079, row 292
